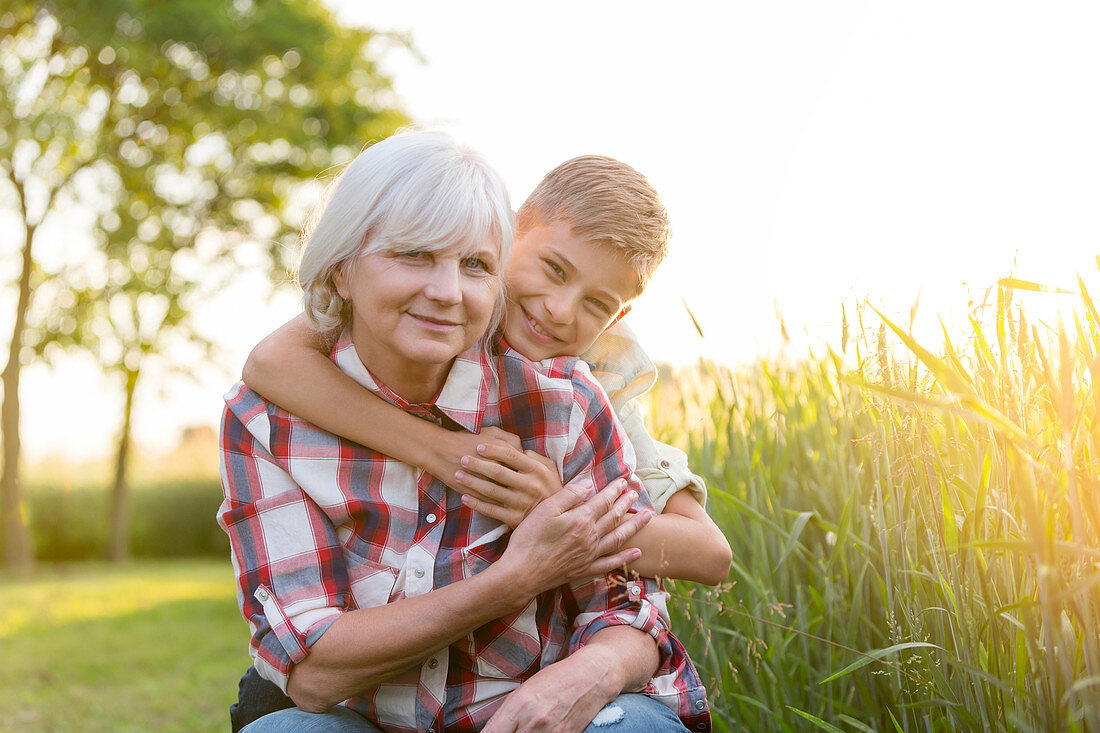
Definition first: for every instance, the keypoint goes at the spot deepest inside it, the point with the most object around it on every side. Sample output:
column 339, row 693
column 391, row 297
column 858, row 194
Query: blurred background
column 819, row 160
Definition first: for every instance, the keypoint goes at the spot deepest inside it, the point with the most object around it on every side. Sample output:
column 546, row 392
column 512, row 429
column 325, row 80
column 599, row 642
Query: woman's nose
column 445, row 283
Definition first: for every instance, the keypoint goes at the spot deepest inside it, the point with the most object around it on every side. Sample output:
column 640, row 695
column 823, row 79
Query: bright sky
column 808, row 153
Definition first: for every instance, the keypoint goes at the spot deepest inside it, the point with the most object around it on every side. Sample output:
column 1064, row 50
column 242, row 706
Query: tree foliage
column 174, row 137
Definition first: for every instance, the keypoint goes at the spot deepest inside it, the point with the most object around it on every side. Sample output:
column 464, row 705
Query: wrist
column 508, row 585
column 442, row 453
column 603, row 666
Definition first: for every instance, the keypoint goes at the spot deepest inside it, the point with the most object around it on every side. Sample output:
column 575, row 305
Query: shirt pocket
column 370, row 583
column 508, row 648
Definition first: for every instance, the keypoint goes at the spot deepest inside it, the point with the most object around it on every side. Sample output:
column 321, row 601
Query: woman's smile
column 414, row 311
column 435, row 323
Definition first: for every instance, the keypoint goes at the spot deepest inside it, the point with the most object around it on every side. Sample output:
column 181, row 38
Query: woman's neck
column 413, row 382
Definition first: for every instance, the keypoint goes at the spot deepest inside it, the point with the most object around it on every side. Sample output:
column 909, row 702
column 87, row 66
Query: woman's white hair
column 418, row 189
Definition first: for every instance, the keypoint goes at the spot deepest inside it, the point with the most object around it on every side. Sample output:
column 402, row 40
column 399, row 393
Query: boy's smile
column 562, row 291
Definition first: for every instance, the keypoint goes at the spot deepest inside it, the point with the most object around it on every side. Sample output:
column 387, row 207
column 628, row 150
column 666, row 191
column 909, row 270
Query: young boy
column 587, row 240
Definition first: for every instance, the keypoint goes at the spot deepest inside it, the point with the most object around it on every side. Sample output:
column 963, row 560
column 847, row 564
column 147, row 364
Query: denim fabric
column 337, row 720
column 256, row 697
column 634, row 713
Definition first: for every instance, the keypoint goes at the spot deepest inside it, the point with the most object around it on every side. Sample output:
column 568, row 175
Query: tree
column 183, row 130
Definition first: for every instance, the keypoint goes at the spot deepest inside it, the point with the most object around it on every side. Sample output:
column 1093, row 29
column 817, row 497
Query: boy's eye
column 599, row 305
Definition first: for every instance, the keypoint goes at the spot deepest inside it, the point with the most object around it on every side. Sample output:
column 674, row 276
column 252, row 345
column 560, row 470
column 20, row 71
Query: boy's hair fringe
column 605, row 201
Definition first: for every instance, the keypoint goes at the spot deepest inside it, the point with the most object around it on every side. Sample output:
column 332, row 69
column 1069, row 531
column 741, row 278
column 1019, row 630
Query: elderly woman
column 367, row 582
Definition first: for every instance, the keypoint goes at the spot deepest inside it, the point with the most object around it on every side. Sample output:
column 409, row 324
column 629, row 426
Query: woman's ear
column 340, row 280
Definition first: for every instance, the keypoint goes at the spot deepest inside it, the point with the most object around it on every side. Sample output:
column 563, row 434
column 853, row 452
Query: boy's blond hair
column 604, row 201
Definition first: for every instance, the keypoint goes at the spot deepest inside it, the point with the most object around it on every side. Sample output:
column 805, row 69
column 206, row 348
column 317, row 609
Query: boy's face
column 562, row 291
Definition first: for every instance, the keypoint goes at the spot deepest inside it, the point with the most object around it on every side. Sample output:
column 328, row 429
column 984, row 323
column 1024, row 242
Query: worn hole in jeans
column 608, row 716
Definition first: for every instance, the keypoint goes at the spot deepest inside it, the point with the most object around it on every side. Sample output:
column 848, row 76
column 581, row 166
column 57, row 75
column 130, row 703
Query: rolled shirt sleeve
column 599, row 444
column 628, row 600
column 661, row 467
column 292, row 580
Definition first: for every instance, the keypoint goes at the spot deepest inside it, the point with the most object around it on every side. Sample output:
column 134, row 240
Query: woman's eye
column 413, row 254
column 554, row 268
column 475, row 263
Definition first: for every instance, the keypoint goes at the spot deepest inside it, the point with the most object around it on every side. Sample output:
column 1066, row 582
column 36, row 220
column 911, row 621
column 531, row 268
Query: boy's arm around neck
column 291, row 368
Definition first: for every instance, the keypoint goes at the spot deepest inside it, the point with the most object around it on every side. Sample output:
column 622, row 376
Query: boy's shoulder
column 621, row 365
column 548, row 371
column 561, row 379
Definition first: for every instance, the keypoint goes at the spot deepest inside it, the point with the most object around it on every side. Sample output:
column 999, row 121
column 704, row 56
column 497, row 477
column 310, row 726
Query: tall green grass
column 915, row 532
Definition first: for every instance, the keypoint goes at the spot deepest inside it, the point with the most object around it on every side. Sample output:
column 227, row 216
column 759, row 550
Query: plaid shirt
column 319, row 526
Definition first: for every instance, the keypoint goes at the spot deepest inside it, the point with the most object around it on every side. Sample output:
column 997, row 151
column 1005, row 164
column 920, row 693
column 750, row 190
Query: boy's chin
column 527, row 347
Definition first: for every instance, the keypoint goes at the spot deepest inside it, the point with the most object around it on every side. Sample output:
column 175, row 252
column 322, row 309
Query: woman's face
column 414, row 311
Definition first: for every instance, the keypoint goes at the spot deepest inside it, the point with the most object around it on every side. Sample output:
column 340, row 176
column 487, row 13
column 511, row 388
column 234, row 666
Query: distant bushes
column 166, row 520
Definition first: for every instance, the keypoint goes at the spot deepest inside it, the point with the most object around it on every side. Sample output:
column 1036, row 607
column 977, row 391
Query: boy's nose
column 561, row 308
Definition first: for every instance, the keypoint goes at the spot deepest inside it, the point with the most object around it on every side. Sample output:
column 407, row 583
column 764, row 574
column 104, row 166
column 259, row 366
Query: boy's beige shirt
column 626, row 372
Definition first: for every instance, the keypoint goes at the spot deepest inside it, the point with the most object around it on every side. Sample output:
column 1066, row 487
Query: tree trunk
column 120, row 500
column 18, row 555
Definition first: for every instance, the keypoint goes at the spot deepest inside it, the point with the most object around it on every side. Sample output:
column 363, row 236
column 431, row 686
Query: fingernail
column 460, row 475
column 465, row 460
column 481, row 448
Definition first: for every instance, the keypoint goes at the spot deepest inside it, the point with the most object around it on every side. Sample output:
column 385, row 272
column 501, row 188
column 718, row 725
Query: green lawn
column 144, row 646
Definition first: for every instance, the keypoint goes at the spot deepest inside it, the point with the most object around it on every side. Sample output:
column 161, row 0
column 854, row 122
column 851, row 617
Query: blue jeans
column 625, row 714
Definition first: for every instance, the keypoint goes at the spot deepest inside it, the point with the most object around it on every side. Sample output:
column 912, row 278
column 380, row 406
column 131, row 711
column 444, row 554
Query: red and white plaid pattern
column 319, row 525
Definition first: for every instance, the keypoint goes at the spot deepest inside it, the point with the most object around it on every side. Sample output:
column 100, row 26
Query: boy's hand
column 504, row 483
column 445, row 455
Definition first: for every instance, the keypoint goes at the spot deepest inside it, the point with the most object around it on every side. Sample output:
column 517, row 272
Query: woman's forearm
column 629, row 658
column 365, row 647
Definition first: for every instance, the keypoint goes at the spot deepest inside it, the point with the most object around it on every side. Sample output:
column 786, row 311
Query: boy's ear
column 622, row 312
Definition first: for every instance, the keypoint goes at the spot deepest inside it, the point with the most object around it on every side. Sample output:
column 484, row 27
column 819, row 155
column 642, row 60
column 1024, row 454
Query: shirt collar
column 463, row 398
column 620, row 364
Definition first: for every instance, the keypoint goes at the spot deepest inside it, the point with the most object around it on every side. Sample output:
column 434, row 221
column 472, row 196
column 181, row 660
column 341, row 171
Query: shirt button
column 700, row 704
column 664, row 463
column 419, row 572
column 262, row 594
column 433, row 663
column 635, row 590
column 431, row 518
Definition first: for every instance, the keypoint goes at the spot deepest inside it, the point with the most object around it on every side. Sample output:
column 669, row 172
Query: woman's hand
column 559, row 699
column 568, row 538
column 505, row 483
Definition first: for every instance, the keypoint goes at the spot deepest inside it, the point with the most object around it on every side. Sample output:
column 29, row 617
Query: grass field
column 141, row 647
column 915, row 532
column 916, row 539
